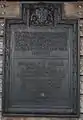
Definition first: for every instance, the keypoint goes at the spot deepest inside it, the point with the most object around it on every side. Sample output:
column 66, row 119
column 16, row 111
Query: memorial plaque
column 41, row 63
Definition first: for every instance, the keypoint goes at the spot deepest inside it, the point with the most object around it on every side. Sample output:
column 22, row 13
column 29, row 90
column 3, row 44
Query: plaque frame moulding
column 41, row 22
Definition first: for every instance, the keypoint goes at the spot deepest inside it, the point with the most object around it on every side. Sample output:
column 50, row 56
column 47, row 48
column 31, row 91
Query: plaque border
column 5, row 87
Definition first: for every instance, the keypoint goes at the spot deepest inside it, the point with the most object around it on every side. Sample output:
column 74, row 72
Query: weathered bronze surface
column 41, row 63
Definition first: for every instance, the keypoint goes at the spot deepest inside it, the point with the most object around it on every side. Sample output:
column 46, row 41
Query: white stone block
column 81, row 66
column 81, row 103
column 81, row 87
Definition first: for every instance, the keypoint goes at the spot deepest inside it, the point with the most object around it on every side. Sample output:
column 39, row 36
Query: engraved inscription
column 52, row 72
column 40, row 43
column 40, row 80
column 42, row 14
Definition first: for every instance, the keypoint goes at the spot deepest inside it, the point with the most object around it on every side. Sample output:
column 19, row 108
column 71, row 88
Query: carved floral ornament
column 42, row 15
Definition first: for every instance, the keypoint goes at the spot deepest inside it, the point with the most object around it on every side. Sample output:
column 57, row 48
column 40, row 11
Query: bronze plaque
column 41, row 63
